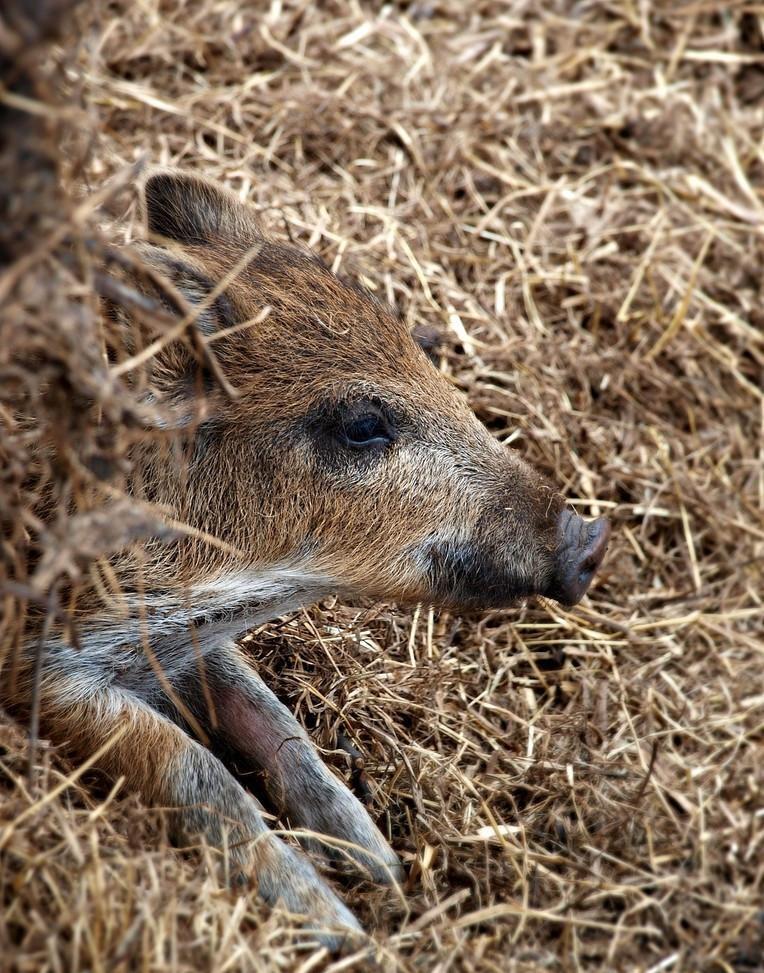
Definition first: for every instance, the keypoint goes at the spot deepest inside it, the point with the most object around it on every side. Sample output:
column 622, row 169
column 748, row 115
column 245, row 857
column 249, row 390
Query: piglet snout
column 582, row 546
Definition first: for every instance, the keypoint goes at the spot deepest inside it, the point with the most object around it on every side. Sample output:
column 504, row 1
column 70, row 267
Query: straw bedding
column 567, row 198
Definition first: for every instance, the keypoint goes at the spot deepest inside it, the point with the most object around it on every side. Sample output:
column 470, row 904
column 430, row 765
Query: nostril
column 590, row 564
column 594, row 552
column 582, row 549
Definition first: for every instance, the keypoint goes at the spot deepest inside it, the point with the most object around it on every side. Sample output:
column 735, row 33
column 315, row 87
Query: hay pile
column 570, row 196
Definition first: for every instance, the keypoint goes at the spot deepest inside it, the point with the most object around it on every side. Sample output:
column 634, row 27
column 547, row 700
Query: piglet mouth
column 466, row 576
column 581, row 549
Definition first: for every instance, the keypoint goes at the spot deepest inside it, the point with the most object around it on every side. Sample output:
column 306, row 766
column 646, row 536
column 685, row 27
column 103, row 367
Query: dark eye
column 365, row 424
column 369, row 429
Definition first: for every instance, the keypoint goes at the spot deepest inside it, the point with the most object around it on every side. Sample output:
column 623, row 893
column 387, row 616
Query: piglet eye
column 367, row 429
column 362, row 426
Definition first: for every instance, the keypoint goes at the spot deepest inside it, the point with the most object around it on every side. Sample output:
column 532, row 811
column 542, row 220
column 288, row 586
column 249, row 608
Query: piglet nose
column 581, row 549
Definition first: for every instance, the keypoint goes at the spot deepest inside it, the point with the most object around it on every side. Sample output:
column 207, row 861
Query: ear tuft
column 188, row 209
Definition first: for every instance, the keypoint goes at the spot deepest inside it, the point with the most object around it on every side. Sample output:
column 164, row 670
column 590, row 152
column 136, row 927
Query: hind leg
column 161, row 762
column 261, row 730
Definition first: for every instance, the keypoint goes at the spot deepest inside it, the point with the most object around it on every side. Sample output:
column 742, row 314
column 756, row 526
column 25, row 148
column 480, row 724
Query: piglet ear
column 190, row 210
column 429, row 339
column 189, row 277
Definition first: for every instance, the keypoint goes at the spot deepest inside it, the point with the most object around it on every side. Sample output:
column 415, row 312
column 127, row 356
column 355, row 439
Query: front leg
column 162, row 763
column 261, row 730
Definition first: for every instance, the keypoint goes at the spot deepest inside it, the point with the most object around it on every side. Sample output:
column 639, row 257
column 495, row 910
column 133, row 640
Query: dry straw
column 569, row 196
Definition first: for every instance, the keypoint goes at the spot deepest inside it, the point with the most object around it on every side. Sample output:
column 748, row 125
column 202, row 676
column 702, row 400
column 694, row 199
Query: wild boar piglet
column 345, row 465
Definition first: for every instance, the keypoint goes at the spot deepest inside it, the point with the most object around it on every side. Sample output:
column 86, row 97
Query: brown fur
column 430, row 508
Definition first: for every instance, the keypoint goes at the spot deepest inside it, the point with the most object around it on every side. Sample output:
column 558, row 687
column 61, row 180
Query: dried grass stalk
column 568, row 196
